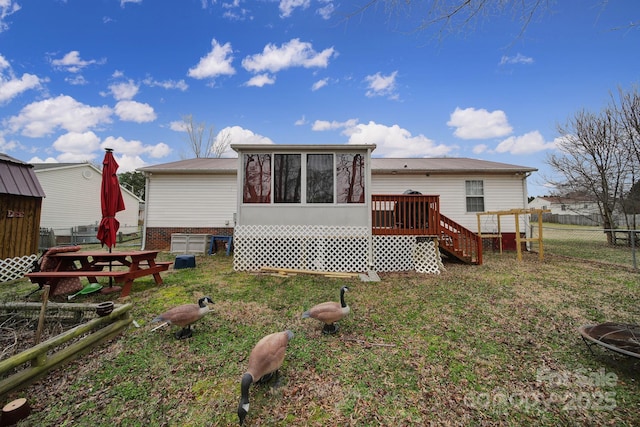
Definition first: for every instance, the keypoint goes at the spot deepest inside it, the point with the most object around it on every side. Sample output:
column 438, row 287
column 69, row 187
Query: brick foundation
column 159, row 238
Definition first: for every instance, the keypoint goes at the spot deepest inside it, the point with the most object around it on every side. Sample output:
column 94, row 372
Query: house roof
column 442, row 165
column 198, row 165
column 378, row 166
column 567, row 200
column 38, row 167
column 18, row 178
column 44, row 167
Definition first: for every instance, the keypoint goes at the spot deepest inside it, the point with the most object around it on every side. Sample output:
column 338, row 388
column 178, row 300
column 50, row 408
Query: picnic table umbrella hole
column 112, row 202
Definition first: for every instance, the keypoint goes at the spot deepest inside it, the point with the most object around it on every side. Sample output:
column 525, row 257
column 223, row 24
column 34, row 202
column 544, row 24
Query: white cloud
column 528, row 143
column 301, row 121
column 260, row 80
column 320, row 84
column 324, row 125
column 72, row 63
column 124, row 2
column 6, row 146
column 239, row 135
column 133, row 111
column 133, row 148
column 76, row 80
column 215, row 63
column 379, row 85
column 294, row 53
column 125, row 90
column 288, row 6
column 394, row 141
column 7, row 8
column 37, row 159
column 234, row 11
column 11, row 86
column 178, row 126
column 518, row 59
column 480, row 148
column 42, row 118
column 130, row 163
column 77, row 147
column 326, row 11
column 166, row 84
column 479, row 124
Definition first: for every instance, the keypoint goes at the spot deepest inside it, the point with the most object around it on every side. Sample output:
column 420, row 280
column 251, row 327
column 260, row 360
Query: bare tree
column 221, row 144
column 594, row 158
column 627, row 106
column 200, row 146
column 458, row 15
column 451, row 16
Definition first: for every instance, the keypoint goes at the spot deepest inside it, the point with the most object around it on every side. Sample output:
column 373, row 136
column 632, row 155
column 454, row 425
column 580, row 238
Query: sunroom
column 309, row 207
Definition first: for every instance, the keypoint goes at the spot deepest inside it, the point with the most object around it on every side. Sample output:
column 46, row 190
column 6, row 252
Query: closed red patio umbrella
column 111, row 201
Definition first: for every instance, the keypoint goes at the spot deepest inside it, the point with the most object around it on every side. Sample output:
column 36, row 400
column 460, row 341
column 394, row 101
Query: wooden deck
column 419, row 215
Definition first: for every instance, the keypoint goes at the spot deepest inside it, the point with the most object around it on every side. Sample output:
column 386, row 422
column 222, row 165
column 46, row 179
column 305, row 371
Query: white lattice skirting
column 406, row 253
column 320, row 248
column 15, row 268
column 323, row 248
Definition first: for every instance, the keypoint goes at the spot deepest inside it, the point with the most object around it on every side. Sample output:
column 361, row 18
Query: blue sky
column 77, row 76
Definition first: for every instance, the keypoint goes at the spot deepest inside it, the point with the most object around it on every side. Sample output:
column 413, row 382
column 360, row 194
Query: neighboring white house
column 73, row 200
column 568, row 210
column 202, row 195
column 565, row 205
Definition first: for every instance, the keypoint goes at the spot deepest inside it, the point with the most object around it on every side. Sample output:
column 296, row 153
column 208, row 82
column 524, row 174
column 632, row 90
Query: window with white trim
column 474, row 195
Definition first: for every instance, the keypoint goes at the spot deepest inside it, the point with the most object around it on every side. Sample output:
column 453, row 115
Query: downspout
column 369, row 207
column 146, row 210
column 525, row 192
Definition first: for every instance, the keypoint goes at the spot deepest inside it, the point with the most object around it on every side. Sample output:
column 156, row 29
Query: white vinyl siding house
column 209, row 196
column 73, row 198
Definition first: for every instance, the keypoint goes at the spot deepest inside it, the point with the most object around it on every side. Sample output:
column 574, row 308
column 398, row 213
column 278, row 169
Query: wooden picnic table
column 91, row 264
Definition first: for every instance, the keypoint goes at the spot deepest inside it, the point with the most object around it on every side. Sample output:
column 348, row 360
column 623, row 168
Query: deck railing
column 405, row 214
column 415, row 214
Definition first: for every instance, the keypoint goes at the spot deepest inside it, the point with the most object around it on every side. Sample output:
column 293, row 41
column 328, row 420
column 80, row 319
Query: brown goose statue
column 264, row 361
column 329, row 313
column 184, row 316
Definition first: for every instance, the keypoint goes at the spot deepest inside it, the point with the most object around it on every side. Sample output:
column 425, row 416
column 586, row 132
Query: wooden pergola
column 516, row 213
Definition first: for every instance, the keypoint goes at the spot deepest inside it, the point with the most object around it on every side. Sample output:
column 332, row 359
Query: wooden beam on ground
column 293, row 271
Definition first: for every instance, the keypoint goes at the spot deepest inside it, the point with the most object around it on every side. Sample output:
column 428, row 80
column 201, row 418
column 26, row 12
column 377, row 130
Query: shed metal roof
column 18, row 178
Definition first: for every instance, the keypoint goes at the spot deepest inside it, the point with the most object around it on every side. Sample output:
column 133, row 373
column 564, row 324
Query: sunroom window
column 287, row 169
column 350, row 179
column 257, row 178
column 319, row 178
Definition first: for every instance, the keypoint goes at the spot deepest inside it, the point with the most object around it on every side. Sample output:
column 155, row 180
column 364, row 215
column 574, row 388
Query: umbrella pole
column 110, row 288
column 110, row 268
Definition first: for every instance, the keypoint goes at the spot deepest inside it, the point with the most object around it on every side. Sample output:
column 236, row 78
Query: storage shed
column 20, row 208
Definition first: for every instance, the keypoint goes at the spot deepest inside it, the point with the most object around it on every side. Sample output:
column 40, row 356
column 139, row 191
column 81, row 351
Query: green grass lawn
column 495, row 344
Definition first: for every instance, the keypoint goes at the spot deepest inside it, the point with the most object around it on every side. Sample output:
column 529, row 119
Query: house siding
column 500, row 193
column 73, row 199
column 191, row 201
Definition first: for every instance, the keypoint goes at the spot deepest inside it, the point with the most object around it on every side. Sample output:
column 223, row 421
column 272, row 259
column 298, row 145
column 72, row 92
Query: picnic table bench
column 92, row 263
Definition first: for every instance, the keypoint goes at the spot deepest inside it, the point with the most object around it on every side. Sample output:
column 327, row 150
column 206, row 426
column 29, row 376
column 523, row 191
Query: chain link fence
column 84, row 235
column 617, row 246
